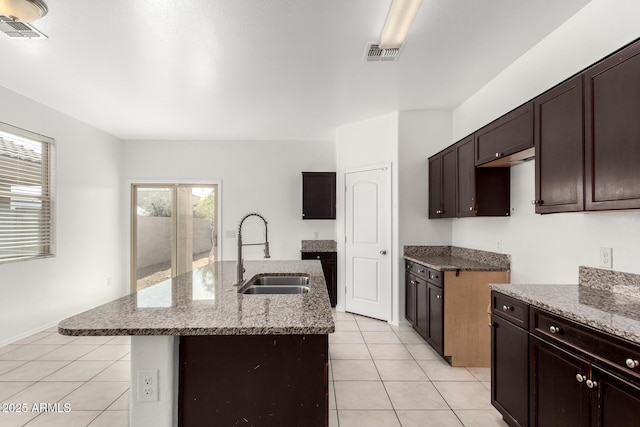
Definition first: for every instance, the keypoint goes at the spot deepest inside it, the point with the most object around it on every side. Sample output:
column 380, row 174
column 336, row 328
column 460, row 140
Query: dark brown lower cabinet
column 422, row 309
column 258, row 380
column 410, row 299
column 574, row 375
column 510, row 371
column 329, row 261
column 435, row 329
column 559, row 395
column 618, row 401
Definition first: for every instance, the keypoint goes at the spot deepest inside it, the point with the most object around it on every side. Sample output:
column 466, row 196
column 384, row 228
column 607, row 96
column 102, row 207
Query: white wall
column 37, row 294
column 255, row 176
column 421, row 134
column 366, row 143
column 548, row 249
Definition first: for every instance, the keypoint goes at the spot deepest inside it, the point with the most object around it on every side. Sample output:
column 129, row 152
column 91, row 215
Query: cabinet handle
column 498, row 155
column 591, row 384
column 318, row 257
column 580, row 378
column 507, row 308
column 413, row 282
column 470, row 208
column 631, row 363
column 438, row 296
column 554, row 329
column 420, row 271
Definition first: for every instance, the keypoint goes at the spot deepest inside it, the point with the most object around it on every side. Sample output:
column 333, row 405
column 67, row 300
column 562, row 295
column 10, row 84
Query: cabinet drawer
column 416, row 269
column 435, row 276
column 606, row 349
column 322, row 256
column 511, row 309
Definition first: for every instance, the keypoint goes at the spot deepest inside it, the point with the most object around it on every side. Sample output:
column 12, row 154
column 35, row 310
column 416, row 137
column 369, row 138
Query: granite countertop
column 447, row 258
column 205, row 302
column 605, row 310
column 318, row 246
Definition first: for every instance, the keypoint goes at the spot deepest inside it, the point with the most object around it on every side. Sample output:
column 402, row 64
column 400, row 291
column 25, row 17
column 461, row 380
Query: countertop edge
column 441, row 267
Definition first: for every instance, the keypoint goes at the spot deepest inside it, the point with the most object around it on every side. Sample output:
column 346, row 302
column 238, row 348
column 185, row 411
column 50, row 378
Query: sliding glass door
column 174, row 230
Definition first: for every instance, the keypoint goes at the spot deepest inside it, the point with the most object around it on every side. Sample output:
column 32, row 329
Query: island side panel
column 260, row 380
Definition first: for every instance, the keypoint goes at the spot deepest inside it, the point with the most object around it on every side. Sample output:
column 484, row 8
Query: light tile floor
column 381, row 375
column 89, row 374
column 388, row 376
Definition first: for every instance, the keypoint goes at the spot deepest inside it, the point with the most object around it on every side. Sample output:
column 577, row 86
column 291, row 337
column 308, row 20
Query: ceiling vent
column 374, row 53
column 19, row 30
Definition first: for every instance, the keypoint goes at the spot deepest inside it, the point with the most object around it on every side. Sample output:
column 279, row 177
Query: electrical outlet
column 606, row 257
column 499, row 245
column 316, row 235
column 148, row 385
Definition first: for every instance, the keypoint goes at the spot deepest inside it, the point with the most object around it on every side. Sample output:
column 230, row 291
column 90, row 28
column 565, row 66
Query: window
column 26, row 194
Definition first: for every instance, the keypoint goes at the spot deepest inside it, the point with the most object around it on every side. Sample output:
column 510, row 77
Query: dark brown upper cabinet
column 612, row 139
column 506, row 136
column 559, row 142
column 442, row 184
column 479, row 191
column 318, row 195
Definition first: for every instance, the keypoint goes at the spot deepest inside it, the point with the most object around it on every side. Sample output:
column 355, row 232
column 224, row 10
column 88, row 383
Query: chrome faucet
column 240, row 264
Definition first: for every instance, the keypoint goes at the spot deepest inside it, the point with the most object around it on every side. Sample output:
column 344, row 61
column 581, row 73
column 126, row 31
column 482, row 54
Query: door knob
column 383, row 252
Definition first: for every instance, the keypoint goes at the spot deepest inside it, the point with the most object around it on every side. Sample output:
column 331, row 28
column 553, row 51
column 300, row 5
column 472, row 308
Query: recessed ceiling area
column 262, row 70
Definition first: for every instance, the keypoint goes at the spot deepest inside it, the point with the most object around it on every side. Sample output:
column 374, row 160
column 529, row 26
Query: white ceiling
column 257, row 69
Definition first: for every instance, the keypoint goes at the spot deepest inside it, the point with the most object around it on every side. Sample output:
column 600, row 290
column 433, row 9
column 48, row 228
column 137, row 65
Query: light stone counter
column 449, row 258
column 206, row 302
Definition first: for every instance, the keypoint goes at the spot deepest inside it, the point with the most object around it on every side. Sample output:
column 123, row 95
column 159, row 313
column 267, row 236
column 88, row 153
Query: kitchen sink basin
column 273, row 284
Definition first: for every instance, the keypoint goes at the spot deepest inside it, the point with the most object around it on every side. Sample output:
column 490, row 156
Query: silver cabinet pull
column 631, row 363
column 438, row 296
column 413, row 282
column 580, row 378
column 591, row 384
column 470, row 208
column 554, row 329
column 506, row 308
column 497, row 154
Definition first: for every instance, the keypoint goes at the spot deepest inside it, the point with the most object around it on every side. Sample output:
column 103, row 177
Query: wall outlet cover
column 148, row 385
column 606, row 257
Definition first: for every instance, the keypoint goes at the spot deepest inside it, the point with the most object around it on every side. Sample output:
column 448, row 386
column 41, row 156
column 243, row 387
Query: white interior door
column 368, row 242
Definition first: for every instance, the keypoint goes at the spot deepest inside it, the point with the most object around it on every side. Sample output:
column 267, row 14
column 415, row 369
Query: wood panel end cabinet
column 449, row 311
column 318, row 195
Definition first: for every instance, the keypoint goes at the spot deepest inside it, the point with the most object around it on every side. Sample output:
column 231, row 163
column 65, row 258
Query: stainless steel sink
column 274, row 284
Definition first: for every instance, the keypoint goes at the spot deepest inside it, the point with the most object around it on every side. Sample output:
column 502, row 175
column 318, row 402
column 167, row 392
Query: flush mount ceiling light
column 399, row 20
column 23, row 10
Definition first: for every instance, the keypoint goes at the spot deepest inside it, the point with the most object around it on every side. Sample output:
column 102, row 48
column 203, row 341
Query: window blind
column 26, row 195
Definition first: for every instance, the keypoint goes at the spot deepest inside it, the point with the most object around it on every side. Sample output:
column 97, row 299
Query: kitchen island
column 222, row 357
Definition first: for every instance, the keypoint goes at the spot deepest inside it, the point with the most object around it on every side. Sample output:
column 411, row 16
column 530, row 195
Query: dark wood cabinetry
column 558, row 397
column 442, row 184
column 577, row 376
column 480, row 191
column 424, row 303
column 612, row 109
column 507, row 135
column 559, row 146
column 458, row 189
column 510, row 359
column 318, row 195
column 329, row 261
column 435, row 309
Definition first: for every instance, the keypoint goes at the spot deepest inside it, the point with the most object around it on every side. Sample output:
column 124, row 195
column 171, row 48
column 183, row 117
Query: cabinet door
column 422, row 313
column 509, row 134
column 449, row 171
column 558, row 397
column 318, row 195
column 329, row 261
column 435, row 186
column 612, row 109
column 560, row 149
column 510, row 371
column 616, row 402
column 466, row 178
column 410, row 299
column 435, row 335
